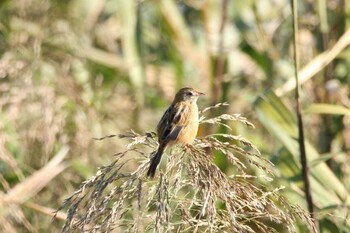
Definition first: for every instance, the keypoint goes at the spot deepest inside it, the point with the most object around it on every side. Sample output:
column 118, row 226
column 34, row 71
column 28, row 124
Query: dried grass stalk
column 190, row 195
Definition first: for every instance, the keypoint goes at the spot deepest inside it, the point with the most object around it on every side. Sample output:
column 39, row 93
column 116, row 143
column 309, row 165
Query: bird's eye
column 190, row 93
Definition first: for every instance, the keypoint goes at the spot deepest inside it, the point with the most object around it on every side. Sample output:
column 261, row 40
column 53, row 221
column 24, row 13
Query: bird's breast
column 189, row 130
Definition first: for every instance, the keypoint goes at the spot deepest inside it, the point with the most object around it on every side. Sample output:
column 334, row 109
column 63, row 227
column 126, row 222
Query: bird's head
column 188, row 94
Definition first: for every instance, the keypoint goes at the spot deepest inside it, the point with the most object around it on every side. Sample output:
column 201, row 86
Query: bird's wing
column 172, row 122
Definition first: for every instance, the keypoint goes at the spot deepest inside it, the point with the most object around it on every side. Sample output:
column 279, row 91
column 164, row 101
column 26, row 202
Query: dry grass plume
column 189, row 194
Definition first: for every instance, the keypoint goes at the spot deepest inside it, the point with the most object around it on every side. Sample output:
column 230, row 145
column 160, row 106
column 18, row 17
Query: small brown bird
column 179, row 124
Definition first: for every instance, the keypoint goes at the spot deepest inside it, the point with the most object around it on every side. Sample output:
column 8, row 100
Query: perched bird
column 179, row 124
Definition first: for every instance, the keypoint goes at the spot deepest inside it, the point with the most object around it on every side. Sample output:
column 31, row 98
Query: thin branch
column 304, row 163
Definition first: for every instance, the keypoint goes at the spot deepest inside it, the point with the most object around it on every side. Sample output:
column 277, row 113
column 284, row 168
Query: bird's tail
column 155, row 160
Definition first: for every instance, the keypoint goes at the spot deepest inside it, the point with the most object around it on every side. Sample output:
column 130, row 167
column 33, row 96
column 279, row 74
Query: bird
column 179, row 124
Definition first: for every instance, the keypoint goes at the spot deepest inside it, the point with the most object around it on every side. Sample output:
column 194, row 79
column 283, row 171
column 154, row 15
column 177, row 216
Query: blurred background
column 71, row 71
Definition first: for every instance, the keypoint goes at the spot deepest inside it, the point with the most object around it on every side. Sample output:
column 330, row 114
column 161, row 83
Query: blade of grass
column 38, row 180
column 328, row 109
column 278, row 120
column 183, row 38
column 316, row 65
column 46, row 210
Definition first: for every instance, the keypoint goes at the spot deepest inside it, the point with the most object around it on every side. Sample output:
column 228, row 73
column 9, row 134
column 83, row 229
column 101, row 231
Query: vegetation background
column 71, row 71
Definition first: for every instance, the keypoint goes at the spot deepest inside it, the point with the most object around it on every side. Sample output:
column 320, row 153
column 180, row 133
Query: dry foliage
column 191, row 194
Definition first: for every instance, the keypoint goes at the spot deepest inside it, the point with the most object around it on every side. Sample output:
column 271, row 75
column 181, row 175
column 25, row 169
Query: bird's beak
column 200, row 93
